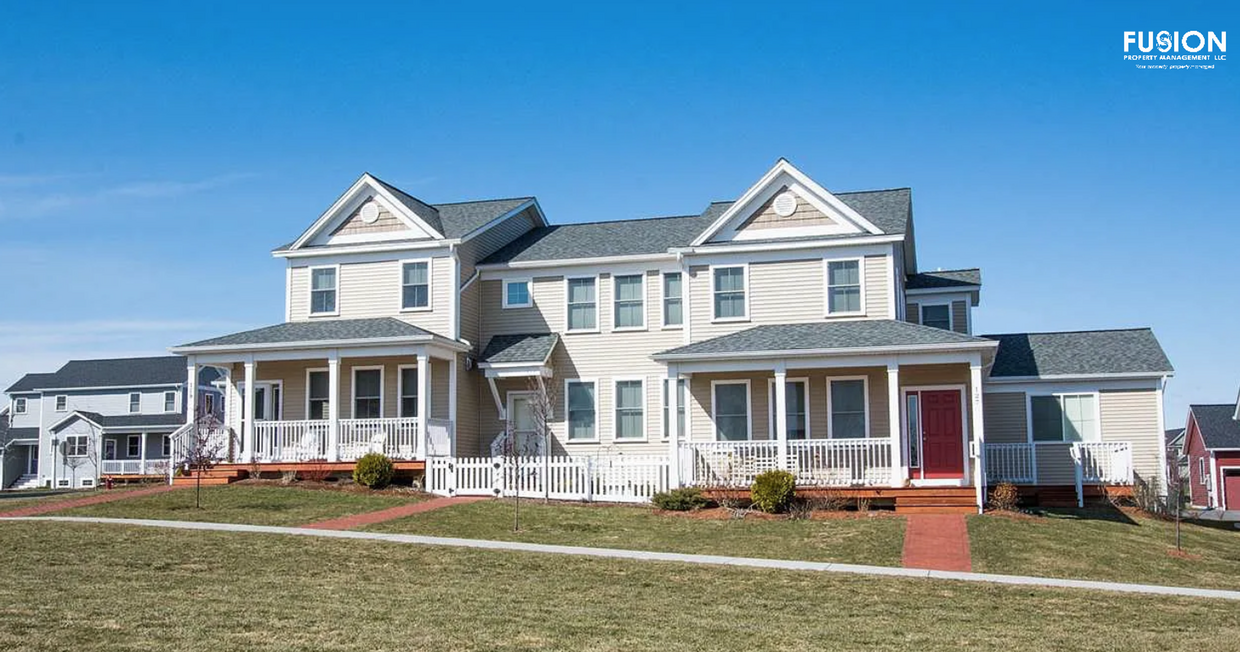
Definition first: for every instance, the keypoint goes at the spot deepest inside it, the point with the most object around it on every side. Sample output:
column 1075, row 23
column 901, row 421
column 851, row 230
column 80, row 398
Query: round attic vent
column 370, row 212
column 785, row 204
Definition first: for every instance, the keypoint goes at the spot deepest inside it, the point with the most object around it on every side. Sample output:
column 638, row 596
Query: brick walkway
column 103, row 496
column 937, row 542
column 370, row 518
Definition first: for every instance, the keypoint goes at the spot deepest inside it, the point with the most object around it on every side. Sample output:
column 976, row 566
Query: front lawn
column 11, row 500
column 874, row 540
column 255, row 504
column 1105, row 545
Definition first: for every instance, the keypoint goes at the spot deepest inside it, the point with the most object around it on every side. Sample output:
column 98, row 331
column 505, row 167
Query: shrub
column 1004, row 496
column 316, row 471
column 373, row 470
column 680, row 500
column 773, row 491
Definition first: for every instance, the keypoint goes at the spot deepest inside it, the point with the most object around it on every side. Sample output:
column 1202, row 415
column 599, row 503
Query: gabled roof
column 113, row 372
column 1173, row 437
column 30, row 382
column 1133, row 352
column 1217, row 425
column 948, row 279
column 879, row 335
column 122, row 422
column 314, row 333
column 523, row 348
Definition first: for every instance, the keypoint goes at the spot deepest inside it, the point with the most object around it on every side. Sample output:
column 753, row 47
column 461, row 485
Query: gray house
column 97, row 418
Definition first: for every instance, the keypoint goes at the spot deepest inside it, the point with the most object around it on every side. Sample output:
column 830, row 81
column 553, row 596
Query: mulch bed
column 725, row 514
column 344, row 487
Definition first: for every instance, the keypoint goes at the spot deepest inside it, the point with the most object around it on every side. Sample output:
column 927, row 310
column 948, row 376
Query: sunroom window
column 1065, row 417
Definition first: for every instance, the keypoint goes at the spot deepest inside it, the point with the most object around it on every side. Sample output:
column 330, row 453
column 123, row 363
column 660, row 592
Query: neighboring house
column 793, row 327
column 1212, row 445
column 96, row 418
column 1177, row 461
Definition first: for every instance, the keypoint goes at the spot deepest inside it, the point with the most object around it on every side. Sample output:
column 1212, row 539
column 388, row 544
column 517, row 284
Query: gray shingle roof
column 1173, row 437
column 1134, row 351
column 122, row 421
column 22, row 433
column 1217, row 427
column 462, row 218
column 860, row 334
column 30, row 382
column 532, row 347
column 889, row 210
column 415, row 205
column 946, row 279
column 318, row 331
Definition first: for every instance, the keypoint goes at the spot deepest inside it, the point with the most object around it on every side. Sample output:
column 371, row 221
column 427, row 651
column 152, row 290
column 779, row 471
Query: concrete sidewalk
column 641, row 555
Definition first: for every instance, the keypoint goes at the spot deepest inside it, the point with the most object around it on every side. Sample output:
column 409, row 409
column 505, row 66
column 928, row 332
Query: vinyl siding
column 960, row 317
column 1005, row 420
column 373, row 289
column 491, row 240
column 876, row 290
column 387, row 222
column 545, row 316
column 1133, row 416
column 292, row 375
column 804, row 215
column 1055, row 464
column 913, row 313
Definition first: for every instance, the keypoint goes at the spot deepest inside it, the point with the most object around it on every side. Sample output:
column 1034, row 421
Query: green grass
column 11, row 500
column 1105, row 545
column 246, row 503
column 876, row 540
column 103, row 588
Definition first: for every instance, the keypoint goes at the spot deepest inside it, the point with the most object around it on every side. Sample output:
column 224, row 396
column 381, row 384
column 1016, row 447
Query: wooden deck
column 232, row 472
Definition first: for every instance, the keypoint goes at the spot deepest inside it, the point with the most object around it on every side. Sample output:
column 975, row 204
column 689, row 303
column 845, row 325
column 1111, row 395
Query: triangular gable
column 785, row 203
column 72, row 419
column 350, row 221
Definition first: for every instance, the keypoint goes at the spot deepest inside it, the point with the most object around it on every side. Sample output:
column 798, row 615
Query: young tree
column 527, row 439
column 205, row 443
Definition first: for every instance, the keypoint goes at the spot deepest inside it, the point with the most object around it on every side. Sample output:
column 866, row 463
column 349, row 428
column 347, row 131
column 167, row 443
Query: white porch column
column 191, row 390
column 424, row 383
column 781, row 415
column 247, row 416
column 899, row 465
column 979, row 436
column 333, row 405
column 142, row 456
column 452, row 401
column 672, row 387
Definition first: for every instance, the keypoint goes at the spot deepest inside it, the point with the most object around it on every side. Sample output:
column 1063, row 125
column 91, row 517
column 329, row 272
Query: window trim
column 430, row 285
column 921, row 314
column 714, row 318
column 568, row 423
column 85, row 447
column 826, row 287
column 529, row 293
column 1201, row 471
column 615, row 410
column 353, row 389
column 664, row 383
column 400, row 390
column 614, row 304
column 865, row 393
column 58, row 406
column 165, row 446
column 1029, row 396
column 770, row 394
column 20, row 405
column 663, row 299
column 131, row 410
column 130, row 441
column 714, row 406
column 310, row 290
column 63, row 482
column 310, row 370
column 597, row 302
column 174, row 402
column 85, row 483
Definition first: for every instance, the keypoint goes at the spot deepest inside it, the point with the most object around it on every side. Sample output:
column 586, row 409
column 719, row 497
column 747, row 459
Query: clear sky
column 152, row 155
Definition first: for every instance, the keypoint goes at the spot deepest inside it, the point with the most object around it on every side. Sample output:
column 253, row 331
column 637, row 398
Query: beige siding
column 467, row 409
column 960, row 317
column 912, row 313
column 373, row 290
column 545, row 316
column 387, row 222
column 471, row 314
column 292, row 375
column 876, row 290
column 1005, row 422
column 804, row 215
column 491, row 240
column 1132, row 416
column 1055, row 465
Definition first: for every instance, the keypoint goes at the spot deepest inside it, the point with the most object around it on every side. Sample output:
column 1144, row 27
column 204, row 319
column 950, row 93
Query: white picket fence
column 612, row 478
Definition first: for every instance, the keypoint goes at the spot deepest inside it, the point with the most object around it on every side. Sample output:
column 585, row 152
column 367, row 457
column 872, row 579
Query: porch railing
column 290, row 441
column 134, row 467
column 299, row 441
column 814, row 462
column 1010, row 463
column 1103, row 462
column 397, row 438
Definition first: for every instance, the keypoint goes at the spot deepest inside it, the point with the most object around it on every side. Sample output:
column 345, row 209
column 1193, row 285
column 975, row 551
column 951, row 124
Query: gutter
column 810, row 353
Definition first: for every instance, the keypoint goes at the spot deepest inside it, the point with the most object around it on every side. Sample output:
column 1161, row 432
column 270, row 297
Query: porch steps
column 28, row 481
column 937, row 500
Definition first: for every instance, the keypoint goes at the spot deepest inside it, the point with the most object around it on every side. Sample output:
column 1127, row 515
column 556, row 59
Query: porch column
column 333, row 405
column 142, row 456
column 424, row 383
column 899, row 465
column 672, row 385
column 979, row 435
column 781, row 415
column 191, row 390
column 452, row 402
column 227, row 398
column 247, row 416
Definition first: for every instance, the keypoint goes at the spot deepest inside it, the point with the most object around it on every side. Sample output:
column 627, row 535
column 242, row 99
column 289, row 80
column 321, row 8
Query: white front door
column 521, row 421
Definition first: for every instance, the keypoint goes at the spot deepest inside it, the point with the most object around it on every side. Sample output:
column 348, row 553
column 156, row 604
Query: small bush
column 773, row 491
column 373, row 470
column 680, row 500
column 1004, row 497
column 316, row 471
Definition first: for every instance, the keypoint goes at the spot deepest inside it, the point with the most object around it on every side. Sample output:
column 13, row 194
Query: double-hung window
column 19, row 406
column 843, row 287
column 673, row 300
column 367, row 393
column 630, row 305
column 318, row 394
column 135, row 402
column 1065, row 417
column 937, row 316
column 409, row 391
column 630, row 409
column 682, row 398
column 165, row 446
column 731, row 411
column 729, row 292
column 415, row 285
column 581, row 407
column 76, row 445
column 62, row 403
column 517, row 293
column 170, row 402
column 796, row 394
column 323, row 283
column 582, row 304
column 133, row 446
column 847, row 407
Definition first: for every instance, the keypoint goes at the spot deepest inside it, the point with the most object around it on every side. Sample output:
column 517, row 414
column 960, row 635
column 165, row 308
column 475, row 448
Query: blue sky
column 151, row 158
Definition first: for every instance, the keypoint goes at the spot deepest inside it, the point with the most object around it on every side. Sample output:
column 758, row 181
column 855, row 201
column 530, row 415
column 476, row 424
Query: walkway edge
column 641, row 555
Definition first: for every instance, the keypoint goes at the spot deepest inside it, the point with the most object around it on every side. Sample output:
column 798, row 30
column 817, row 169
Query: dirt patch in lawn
column 1183, row 554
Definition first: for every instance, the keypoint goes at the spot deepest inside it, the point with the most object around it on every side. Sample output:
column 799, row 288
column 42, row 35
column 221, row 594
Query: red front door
column 942, row 437
column 1231, row 489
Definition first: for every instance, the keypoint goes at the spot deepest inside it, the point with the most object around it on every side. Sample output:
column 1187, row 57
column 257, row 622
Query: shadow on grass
column 1093, row 513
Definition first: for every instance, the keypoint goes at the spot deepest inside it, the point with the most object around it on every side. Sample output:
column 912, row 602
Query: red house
column 1213, row 449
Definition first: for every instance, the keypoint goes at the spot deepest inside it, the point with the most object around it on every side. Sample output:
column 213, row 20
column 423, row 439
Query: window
column 629, row 300
column 19, row 406
column 582, row 304
column 170, row 402
column 62, row 403
column 408, row 391
column 135, row 402
column 1065, row 417
column 109, row 449
column 914, row 430
column 630, row 409
column 75, row 445
column 1201, row 470
column 796, row 396
column 63, row 483
column 133, row 446
column 318, row 397
column 323, row 290
column 843, row 287
column 165, row 446
column 731, row 410
column 939, row 316
column 846, row 403
column 582, row 421
column 86, row 482
column 673, row 300
column 415, row 285
column 367, row 393
column 681, row 400
column 729, row 290
column 208, row 401
column 517, row 293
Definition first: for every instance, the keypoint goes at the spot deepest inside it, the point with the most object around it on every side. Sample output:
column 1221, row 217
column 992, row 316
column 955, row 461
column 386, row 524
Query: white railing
column 612, row 478
column 440, row 433
column 1103, row 462
column 133, row 467
column 396, row 438
column 1010, row 463
column 290, row 441
column 814, row 462
column 727, row 463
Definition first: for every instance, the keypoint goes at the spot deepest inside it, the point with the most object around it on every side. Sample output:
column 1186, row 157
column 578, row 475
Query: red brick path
column 400, row 511
column 102, row 496
column 937, row 542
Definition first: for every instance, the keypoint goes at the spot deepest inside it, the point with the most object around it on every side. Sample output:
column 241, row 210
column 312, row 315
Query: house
column 1212, row 445
column 1177, row 461
column 789, row 328
column 98, row 418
